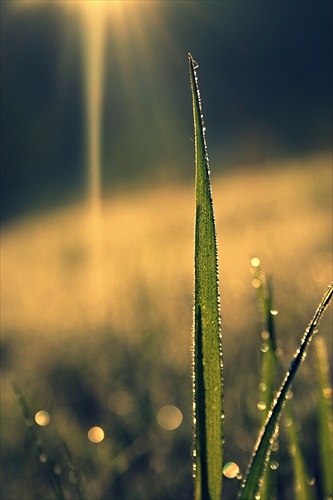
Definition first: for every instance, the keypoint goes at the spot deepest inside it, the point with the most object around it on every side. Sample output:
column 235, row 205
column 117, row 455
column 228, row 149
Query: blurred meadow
column 97, row 231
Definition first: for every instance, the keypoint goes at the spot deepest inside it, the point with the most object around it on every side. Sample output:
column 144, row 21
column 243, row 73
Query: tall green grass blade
column 207, row 346
column 252, row 482
column 325, row 440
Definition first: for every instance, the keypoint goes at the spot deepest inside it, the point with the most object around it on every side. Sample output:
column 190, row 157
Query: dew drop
column 261, row 405
column 265, row 335
column 290, row 395
column 43, row 457
column 230, row 470
column 264, row 347
column 262, row 387
column 274, row 465
column 274, row 312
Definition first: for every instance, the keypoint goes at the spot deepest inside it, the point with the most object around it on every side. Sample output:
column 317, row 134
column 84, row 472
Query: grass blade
column 38, row 443
column 207, row 346
column 302, row 487
column 270, row 367
column 252, row 481
column 325, row 440
column 269, row 359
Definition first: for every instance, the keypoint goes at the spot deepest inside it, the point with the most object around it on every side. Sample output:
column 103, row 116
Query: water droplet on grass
column 264, row 347
column 42, row 418
column 230, row 470
column 261, row 405
column 274, row 465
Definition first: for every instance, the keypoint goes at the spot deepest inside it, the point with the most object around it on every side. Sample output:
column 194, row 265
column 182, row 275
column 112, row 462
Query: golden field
column 109, row 294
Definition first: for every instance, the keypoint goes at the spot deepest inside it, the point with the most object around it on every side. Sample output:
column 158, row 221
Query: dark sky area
column 265, row 76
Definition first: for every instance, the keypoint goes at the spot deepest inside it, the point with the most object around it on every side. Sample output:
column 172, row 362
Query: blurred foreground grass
column 96, row 327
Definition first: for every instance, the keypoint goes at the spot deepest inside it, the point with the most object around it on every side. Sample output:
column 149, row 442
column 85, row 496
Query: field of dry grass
column 114, row 310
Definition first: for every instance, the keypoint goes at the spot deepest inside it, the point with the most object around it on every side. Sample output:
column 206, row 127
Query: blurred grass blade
column 302, row 487
column 54, row 479
column 261, row 455
column 207, row 352
column 269, row 359
column 325, row 440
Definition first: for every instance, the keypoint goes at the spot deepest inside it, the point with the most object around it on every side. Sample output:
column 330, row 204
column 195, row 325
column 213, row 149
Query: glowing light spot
column 96, row 434
column 287, row 422
column 57, row 469
column 42, row 418
column 120, row 402
column 261, row 405
column 169, row 417
column 255, row 262
column 290, row 395
column 43, row 457
column 327, row 392
column 256, row 283
column 265, row 335
column 274, row 465
column 231, row 470
column 279, row 352
column 274, row 312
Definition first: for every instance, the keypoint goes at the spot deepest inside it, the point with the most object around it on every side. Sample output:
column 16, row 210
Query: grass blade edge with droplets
column 251, row 483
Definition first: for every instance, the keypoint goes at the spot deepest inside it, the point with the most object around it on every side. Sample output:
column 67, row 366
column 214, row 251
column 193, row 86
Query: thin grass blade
column 251, row 484
column 302, row 487
column 207, row 346
column 38, row 443
column 325, row 440
column 269, row 359
column 270, row 367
